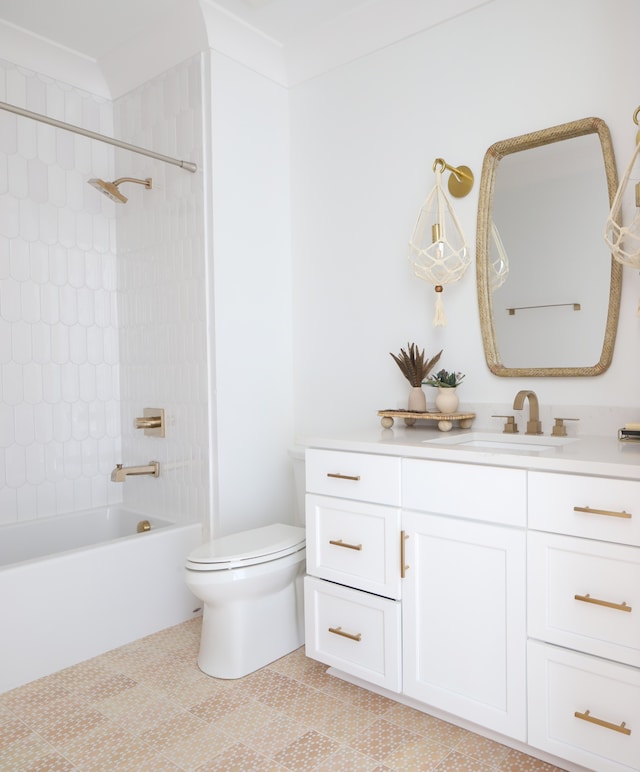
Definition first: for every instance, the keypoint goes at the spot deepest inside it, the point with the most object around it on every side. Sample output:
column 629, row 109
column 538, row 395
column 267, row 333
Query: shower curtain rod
column 188, row 165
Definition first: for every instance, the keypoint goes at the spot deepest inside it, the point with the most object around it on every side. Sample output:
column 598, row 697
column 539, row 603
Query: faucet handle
column 559, row 429
column 510, row 426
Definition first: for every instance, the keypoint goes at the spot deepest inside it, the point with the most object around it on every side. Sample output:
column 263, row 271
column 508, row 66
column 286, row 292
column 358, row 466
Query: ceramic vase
column 417, row 400
column 447, row 400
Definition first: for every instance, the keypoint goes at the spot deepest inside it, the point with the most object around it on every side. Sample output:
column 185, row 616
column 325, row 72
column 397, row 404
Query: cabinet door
column 464, row 620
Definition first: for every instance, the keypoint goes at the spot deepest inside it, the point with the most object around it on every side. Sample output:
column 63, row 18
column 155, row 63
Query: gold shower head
column 111, row 189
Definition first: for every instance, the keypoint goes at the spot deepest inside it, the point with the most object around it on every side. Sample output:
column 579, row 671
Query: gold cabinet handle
column 606, row 512
column 403, row 568
column 618, row 606
column 586, row 716
column 339, row 631
column 338, row 476
column 340, row 543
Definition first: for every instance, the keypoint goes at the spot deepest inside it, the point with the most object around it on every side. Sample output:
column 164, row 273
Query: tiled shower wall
column 81, row 328
column 59, row 412
column 161, row 295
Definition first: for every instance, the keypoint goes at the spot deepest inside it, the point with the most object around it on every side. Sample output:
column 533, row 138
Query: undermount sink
column 515, row 443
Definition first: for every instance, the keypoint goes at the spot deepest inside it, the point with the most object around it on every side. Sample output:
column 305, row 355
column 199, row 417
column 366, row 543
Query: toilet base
column 241, row 637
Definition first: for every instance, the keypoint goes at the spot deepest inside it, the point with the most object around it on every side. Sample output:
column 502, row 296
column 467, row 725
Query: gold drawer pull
column 607, row 512
column 606, row 724
column 338, row 476
column 403, row 568
column 339, row 631
column 340, row 543
column 618, row 606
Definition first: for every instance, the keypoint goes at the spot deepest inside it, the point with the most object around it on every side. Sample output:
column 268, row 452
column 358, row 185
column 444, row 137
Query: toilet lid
column 249, row 547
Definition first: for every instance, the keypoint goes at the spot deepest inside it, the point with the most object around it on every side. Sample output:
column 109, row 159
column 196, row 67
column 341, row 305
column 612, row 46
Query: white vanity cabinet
column 464, row 618
column 584, row 619
column 353, row 586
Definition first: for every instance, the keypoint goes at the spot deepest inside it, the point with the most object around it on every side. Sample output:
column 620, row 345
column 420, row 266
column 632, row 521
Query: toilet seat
column 247, row 548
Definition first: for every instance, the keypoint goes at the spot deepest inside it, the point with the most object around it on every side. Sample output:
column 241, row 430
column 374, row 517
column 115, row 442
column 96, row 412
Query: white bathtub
column 77, row 585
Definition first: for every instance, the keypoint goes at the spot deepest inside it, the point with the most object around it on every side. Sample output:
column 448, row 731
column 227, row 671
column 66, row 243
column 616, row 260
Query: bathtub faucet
column 120, row 473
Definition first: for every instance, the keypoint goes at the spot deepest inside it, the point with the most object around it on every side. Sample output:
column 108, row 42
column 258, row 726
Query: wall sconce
column 624, row 240
column 438, row 250
column 499, row 260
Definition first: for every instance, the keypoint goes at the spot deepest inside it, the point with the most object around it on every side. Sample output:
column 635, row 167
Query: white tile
column 29, row 213
column 59, row 344
column 20, row 266
column 58, row 265
column 9, row 133
column 48, row 223
column 41, row 343
column 5, row 344
column 12, row 387
column 32, row 378
column 30, row 301
column 66, row 228
column 4, row 174
column 36, row 95
column 24, row 424
column 70, row 382
column 38, row 179
column 68, row 305
column 10, row 300
column 49, row 304
column 65, row 499
column 17, row 175
column 7, row 437
column 46, row 143
column 26, row 503
column 34, row 455
column 84, row 230
column 65, row 149
column 21, row 342
column 57, row 179
column 15, row 466
column 27, row 138
column 72, row 455
column 87, row 387
column 75, row 267
column 61, row 413
column 46, row 499
column 38, row 263
column 43, row 422
column 78, row 344
column 9, row 216
column 51, row 383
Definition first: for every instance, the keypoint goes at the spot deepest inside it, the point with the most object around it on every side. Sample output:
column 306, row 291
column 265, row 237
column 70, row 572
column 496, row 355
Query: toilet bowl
column 251, row 586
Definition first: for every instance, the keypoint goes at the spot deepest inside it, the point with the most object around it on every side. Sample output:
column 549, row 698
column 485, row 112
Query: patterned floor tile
column 239, row 758
column 487, row 751
column 307, row 752
column 515, row 761
column 381, row 739
column 457, row 762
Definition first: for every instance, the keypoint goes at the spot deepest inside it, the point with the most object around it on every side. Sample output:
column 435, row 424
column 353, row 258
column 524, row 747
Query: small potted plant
column 415, row 369
column 447, row 399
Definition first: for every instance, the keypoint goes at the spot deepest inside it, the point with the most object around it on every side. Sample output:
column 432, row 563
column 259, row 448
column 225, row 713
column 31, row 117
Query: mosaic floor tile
column 307, row 752
column 147, row 707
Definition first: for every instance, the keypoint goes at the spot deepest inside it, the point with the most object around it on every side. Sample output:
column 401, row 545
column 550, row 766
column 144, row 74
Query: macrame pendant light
column 624, row 239
column 438, row 250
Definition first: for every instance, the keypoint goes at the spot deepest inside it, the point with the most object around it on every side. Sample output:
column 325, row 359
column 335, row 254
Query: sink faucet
column 533, row 424
column 120, row 473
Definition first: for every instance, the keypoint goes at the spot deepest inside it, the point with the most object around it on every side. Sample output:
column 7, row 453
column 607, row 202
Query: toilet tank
column 296, row 454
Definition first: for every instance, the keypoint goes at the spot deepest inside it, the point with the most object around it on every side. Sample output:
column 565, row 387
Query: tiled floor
column 146, row 706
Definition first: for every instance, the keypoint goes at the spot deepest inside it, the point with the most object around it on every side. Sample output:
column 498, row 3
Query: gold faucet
column 120, row 473
column 533, row 424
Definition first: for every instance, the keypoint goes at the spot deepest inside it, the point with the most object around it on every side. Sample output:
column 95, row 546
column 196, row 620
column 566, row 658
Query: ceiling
column 93, row 28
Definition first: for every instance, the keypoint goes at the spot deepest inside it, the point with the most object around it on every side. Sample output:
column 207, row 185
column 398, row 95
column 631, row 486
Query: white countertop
column 601, row 456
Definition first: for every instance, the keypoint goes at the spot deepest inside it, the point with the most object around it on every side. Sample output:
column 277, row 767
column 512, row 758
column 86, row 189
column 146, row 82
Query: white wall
column 364, row 138
column 252, row 297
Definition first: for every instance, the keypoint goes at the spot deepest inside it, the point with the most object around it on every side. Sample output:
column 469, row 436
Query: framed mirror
column 548, row 290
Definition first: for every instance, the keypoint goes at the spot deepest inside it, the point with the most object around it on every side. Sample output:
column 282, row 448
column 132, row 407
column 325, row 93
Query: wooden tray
column 445, row 420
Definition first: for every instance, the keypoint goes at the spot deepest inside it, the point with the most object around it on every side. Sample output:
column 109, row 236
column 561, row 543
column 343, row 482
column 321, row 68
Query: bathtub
column 77, row 585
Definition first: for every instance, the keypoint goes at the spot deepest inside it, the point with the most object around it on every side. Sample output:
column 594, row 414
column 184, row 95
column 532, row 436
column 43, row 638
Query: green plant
column 412, row 364
column 445, row 379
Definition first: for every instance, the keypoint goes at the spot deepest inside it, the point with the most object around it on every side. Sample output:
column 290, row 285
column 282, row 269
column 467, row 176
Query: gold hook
column 461, row 179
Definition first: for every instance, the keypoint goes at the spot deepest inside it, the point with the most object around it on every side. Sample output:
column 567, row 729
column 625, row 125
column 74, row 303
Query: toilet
column 251, row 585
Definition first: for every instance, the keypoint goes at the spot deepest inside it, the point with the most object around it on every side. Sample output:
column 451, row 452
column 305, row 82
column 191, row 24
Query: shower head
column 111, row 189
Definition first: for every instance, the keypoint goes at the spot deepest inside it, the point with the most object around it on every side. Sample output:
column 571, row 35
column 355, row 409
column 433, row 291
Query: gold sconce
column 438, row 249
column 624, row 240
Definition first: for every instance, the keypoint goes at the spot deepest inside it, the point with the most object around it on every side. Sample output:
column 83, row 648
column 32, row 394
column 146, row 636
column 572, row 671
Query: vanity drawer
column 354, row 631
column 359, row 476
column 592, row 507
column 606, row 695
column 486, row 493
column 585, row 595
column 354, row 543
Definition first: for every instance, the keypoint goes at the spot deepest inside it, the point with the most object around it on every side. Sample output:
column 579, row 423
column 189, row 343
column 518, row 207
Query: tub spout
column 534, row 426
column 120, row 473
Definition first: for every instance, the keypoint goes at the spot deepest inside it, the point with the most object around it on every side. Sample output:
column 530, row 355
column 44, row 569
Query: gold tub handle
column 586, row 716
column 143, row 526
column 339, row 631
